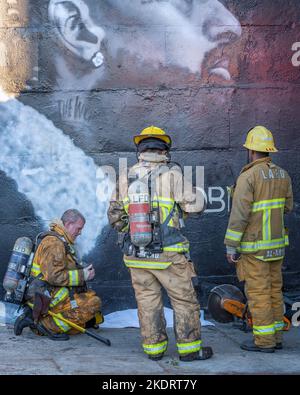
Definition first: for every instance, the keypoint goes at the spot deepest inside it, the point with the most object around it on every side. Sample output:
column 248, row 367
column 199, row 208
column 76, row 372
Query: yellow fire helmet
column 260, row 139
column 153, row 132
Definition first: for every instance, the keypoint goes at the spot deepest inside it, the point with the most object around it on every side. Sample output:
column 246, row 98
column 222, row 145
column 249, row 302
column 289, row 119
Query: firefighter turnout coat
column 170, row 269
column 55, row 263
column 263, row 194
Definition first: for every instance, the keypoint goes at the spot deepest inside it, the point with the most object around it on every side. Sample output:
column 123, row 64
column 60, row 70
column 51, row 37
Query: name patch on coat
column 273, row 174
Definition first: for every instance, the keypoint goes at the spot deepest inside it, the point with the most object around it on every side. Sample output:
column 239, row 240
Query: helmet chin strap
column 154, row 157
column 248, row 157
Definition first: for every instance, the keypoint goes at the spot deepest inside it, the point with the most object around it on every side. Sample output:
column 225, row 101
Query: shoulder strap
column 153, row 175
column 43, row 235
column 171, row 213
column 68, row 249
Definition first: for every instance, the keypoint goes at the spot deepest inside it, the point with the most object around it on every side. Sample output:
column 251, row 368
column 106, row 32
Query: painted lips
column 221, row 69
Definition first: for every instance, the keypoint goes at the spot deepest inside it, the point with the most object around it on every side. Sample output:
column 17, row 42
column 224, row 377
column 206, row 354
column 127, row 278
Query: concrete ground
column 33, row 355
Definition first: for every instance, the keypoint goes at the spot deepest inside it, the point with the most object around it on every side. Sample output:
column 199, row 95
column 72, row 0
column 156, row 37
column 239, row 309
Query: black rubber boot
column 91, row 324
column 249, row 345
column 203, row 354
column 24, row 320
column 278, row 346
column 53, row 336
column 157, row 357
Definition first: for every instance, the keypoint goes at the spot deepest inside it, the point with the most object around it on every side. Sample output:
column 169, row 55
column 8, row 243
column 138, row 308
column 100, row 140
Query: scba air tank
column 139, row 214
column 17, row 265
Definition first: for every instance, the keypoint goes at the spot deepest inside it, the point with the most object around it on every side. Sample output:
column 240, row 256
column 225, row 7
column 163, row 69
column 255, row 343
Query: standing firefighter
column 57, row 273
column 263, row 194
column 147, row 211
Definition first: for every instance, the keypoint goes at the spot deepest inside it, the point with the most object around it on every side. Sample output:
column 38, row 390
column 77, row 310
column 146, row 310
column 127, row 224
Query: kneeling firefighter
column 57, row 284
column 148, row 211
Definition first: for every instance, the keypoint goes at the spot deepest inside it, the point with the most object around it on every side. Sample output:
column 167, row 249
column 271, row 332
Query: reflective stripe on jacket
column 262, row 196
column 173, row 241
column 169, row 197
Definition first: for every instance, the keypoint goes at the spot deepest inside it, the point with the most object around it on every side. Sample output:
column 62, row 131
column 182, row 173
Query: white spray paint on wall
column 74, row 26
column 47, row 167
column 174, row 32
column 52, row 173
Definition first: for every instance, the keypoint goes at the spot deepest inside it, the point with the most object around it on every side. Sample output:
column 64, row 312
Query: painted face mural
column 178, row 33
column 191, row 35
column 90, row 47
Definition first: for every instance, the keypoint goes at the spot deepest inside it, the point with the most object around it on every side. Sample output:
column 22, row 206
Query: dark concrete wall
column 206, row 71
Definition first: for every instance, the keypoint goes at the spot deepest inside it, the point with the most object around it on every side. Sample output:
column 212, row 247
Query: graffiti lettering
column 296, row 56
column 73, row 109
column 216, row 199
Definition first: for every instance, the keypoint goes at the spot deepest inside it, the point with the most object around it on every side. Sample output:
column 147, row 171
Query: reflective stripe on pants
column 61, row 295
column 155, row 349
column 279, row 325
column 264, row 330
column 64, row 327
column 188, row 348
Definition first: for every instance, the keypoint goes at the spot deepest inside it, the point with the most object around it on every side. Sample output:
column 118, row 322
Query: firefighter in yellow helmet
column 256, row 238
column 148, row 211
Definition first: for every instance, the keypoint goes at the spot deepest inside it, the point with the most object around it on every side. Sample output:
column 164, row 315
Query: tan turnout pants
column 88, row 305
column 177, row 281
column 263, row 288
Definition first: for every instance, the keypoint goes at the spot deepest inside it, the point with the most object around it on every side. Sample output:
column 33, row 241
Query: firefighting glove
column 89, row 273
column 233, row 254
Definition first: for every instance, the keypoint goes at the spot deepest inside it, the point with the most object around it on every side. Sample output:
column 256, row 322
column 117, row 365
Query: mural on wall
column 79, row 78
column 48, row 168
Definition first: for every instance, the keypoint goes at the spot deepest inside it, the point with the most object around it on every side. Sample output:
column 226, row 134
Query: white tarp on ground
column 118, row 319
column 9, row 313
column 129, row 319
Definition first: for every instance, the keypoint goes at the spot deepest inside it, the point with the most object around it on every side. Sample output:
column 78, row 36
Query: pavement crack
column 56, row 365
column 224, row 333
